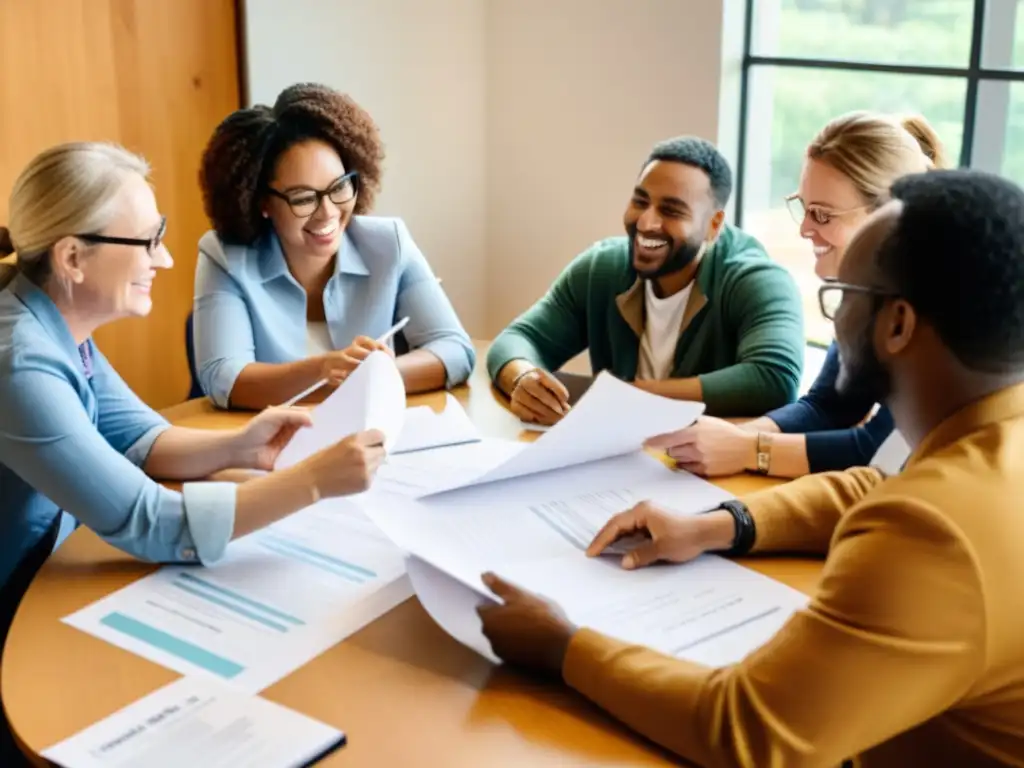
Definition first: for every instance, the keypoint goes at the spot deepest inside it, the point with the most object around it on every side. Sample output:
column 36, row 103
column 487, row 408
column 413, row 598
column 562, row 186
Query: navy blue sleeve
column 835, row 438
column 840, row 449
column 822, row 408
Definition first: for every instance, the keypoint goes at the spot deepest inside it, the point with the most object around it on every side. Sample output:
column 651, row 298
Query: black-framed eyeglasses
column 149, row 243
column 305, row 202
column 830, row 295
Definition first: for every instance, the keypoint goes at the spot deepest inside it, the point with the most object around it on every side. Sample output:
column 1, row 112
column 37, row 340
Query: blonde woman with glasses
column 847, row 172
column 74, row 439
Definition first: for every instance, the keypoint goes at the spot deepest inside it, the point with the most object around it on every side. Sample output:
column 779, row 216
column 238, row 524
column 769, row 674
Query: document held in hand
column 612, row 419
column 372, row 397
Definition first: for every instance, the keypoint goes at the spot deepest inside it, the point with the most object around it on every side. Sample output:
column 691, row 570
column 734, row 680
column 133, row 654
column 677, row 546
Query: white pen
column 313, row 388
column 393, row 330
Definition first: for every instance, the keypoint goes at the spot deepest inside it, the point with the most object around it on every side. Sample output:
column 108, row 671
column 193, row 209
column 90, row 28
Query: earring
column 266, row 215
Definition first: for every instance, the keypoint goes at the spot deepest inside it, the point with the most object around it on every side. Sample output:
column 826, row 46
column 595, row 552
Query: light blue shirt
column 249, row 308
column 77, row 442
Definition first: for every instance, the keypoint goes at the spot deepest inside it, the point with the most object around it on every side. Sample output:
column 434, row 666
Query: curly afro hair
column 240, row 158
column 700, row 153
column 957, row 255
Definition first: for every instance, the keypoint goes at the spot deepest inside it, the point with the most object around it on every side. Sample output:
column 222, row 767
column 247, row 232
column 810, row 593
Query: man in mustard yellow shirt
column 911, row 653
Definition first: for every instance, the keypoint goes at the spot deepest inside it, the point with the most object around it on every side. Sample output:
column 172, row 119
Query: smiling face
column 303, row 170
column 110, row 281
column 669, row 217
column 834, row 212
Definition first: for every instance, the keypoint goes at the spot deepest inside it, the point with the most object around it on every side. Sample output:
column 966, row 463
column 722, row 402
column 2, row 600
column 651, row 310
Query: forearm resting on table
column 185, row 454
column 788, row 456
column 763, row 424
column 422, row 371
column 261, row 385
column 801, row 516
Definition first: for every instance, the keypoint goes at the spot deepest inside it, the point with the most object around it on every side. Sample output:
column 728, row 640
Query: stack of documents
column 529, row 512
column 286, row 593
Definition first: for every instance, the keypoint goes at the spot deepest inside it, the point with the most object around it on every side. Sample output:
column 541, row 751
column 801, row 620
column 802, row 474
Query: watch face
column 762, row 462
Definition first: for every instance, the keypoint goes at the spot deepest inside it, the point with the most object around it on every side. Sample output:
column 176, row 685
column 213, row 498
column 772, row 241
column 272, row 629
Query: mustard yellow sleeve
column 801, row 516
column 894, row 637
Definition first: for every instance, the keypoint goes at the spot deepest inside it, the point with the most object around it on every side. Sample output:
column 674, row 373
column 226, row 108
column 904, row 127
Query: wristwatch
column 746, row 531
column 764, row 453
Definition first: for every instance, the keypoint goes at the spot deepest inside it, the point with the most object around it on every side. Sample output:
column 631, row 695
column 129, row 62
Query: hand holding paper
column 373, row 397
column 525, row 629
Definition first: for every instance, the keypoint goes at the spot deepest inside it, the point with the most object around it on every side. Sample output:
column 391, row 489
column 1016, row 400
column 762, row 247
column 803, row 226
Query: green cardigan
column 742, row 332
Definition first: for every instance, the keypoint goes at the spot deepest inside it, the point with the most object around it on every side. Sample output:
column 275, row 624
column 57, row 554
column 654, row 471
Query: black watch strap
column 746, row 531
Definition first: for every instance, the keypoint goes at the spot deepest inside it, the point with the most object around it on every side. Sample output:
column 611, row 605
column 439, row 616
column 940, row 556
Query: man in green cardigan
column 685, row 305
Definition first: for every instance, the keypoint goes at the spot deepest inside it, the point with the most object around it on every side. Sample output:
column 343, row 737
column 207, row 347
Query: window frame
column 986, row 155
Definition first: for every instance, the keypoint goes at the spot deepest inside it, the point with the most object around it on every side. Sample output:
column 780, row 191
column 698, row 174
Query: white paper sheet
column 279, row 597
column 533, row 530
column 419, row 472
column 425, row 428
column 612, row 419
column 199, row 723
column 534, row 517
column 452, row 604
column 710, row 611
column 373, row 397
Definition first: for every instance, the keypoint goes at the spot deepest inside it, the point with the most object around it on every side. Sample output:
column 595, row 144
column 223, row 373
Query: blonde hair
column 66, row 190
column 873, row 150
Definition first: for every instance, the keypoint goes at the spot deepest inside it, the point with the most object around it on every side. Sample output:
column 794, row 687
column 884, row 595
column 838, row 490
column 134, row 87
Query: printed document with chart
column 283, row 594
column 531, row 515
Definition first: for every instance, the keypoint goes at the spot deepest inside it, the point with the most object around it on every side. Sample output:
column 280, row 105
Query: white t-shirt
column 661, row 331
column 318, row 339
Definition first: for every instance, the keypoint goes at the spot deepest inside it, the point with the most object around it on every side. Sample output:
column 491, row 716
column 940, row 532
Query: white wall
column 417, row 67
column 578, row 92
column 515, row 128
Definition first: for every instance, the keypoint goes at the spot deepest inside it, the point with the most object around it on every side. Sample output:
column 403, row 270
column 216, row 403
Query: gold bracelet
column 520, row 377
column 764, row 453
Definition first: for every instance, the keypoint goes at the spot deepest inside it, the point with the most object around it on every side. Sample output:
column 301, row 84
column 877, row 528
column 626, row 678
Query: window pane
column 913, row 32
column 1003, row 46
column 786, row 109
column 1012, row 97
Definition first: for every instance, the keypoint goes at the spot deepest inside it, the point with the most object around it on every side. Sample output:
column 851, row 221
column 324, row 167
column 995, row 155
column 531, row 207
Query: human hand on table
column 709, row 447
column 338, row 365
column 539, row 398
column 664, row 536
column 525, row 629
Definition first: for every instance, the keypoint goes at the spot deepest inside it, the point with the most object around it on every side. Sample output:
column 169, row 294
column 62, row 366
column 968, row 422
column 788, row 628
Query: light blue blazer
column 249, row 308
column 75, row 439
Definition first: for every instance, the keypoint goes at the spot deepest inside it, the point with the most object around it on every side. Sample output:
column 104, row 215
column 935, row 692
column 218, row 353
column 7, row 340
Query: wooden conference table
column 403, row 691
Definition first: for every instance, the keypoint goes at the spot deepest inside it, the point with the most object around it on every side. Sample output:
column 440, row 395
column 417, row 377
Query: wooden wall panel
column 156, row 76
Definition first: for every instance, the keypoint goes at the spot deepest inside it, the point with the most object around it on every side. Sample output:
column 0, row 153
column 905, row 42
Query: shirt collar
column 273, row 264
column 1003, row 405
column 45, row 311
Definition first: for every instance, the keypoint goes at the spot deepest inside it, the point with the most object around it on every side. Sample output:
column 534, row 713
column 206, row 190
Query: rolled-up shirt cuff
column 223, row 381
column 141, row 448
column 210, row 513
column 458, row 358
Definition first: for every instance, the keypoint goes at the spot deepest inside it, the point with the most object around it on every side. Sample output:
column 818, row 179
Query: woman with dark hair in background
column 295, row 281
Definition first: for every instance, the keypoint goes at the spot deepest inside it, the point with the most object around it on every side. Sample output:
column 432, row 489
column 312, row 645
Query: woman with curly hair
column 295, row 281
